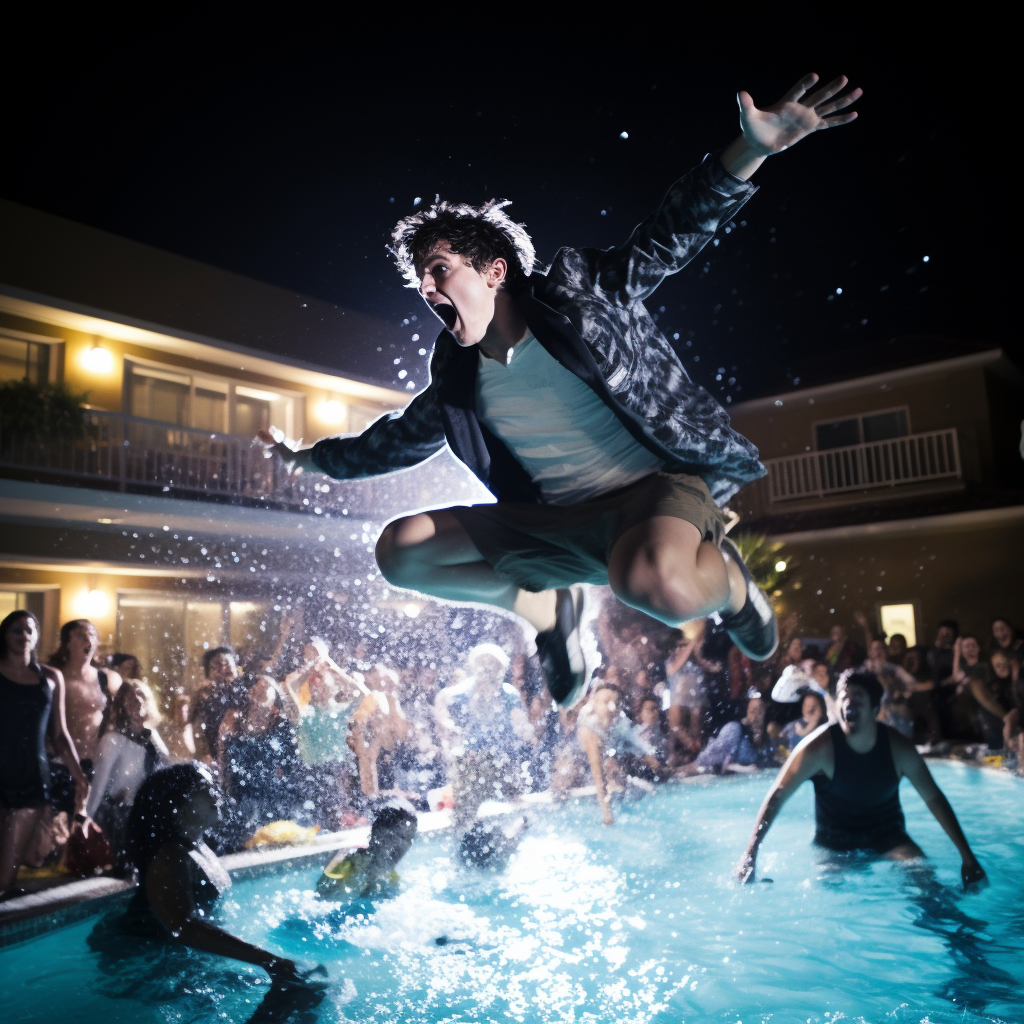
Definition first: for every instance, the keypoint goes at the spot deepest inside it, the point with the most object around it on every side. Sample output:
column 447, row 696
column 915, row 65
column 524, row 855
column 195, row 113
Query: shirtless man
column 87, row 689
column 856, row 766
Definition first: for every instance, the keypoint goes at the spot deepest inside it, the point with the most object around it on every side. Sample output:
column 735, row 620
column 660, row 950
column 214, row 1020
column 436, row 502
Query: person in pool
column 180, row 877
column 856, row 765
column 369, row 872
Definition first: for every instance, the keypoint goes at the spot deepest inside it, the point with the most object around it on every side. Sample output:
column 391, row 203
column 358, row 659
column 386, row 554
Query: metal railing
column 128, row 452
column 916, row 458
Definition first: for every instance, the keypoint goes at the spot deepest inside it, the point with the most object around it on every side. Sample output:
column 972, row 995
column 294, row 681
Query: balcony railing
column 914, row 459
column 128, row 452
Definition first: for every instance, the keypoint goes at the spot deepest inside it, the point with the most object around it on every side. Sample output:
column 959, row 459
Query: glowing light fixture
column 99, row 360
column 333, row 412
column 780, row 566
column 93, row 604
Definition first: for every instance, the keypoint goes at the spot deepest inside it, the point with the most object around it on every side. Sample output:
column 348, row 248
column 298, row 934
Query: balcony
column 913, row 459
column 129, row 453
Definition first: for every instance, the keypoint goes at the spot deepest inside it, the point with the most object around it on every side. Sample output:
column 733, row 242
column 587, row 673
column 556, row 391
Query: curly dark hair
column 481, row 234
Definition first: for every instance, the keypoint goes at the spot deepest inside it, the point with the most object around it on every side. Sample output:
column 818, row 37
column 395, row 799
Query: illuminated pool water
column 635, row 923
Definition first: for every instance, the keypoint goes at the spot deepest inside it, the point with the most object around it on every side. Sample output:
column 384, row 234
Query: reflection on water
column 637, row 923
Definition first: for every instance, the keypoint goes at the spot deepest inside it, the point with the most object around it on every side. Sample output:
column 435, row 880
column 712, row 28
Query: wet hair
column 867, row 681
column 213, row 652
column 818, row 697
column 949, row 624
column 153, row 822
column 480, row 234
column 115, row 717
column 115, row 661
column 970, row 636
column 8, row 621
column 897, row 636
column 395, row 813
column 484, row 846
column 59, row 658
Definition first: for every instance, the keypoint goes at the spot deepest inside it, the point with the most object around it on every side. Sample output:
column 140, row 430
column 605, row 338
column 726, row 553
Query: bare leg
column 432, row 553
column 16, row 830
column 906, row 851
column 665, row 568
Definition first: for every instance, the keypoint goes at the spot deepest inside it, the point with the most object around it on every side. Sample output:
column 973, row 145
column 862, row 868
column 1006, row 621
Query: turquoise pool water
column 637, row 923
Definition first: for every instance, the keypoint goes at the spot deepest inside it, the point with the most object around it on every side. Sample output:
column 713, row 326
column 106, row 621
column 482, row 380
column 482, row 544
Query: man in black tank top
column 856, row 766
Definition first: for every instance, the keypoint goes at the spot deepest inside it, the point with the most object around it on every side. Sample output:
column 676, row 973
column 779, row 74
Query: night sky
column 289, row 159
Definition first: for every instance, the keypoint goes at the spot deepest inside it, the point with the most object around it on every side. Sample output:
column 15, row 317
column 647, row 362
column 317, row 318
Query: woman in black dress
column 31, row 707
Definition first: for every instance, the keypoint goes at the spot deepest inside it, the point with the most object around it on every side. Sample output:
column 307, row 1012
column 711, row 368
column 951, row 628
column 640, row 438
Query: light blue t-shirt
column 570, row 442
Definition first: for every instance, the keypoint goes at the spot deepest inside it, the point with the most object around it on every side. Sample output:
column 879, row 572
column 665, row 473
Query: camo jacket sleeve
column 397, row 440
column 670, row 237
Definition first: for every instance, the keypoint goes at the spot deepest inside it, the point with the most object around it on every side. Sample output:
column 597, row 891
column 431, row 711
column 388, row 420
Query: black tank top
column 24, row 719
column 859, row 807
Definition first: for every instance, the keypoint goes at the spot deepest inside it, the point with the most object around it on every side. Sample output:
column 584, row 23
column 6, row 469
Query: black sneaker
column 560, row 651
column 753, row 629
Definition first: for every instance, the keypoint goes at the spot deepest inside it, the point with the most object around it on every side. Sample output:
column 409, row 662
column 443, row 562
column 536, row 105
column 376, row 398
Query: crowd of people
column 318, row 740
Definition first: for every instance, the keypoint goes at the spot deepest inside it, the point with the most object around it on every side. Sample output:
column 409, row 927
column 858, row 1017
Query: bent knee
column 396, row 546
column 654, row 581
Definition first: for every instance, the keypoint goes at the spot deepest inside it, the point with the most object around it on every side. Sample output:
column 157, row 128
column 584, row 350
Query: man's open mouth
column 445, row 313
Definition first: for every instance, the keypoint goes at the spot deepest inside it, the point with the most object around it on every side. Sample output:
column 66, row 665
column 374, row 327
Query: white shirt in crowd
column 120, row 768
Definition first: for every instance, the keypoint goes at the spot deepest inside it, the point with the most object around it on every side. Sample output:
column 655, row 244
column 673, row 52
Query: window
column 168, row 634
column 205, row 403
column 865, row 429
column 899, row 618
column 23, row 358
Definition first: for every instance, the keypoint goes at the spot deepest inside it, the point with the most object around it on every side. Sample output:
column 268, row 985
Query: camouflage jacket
column 588, row 312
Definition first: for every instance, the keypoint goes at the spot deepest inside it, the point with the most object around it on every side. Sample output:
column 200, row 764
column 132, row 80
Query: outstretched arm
column 715, row 192
column 595, row 756
column 910, row 764
column 810, row 756
column 397, row 440
column 782, row 125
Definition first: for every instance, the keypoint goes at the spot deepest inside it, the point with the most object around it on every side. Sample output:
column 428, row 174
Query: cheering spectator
column 745, row 743
column 1005, row 638
column 33, row 709
column 126, row 666
column 485, row 729
column 991, row 686
column 225, row 691
column 259, row 763
column 813, row 713
column 940, row 655
column 88, row 687
column 606, row 736
column 969, row 677
column 321, row 700
column 897, row 648
column 128, row 752
column 177, row 731
column 1013, row 733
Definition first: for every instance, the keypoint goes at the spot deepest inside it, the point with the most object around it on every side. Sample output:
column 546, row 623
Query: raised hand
column 796, row 115
column 275, row 443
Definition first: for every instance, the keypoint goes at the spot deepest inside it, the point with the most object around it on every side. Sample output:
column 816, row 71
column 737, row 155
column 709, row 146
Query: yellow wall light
column 93, row 604
column 333, row 412
column 99, row 360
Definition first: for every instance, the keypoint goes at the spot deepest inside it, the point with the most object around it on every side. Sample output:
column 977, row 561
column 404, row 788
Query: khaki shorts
column 542, row 547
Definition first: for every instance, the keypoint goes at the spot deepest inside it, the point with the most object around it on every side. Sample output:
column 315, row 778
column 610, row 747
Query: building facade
column 156, row 517
column 900, row 494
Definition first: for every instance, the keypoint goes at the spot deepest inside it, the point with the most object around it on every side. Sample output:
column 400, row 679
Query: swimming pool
column 636, row 923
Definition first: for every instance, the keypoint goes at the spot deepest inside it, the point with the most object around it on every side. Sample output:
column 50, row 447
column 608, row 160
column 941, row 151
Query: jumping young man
column 558, row 391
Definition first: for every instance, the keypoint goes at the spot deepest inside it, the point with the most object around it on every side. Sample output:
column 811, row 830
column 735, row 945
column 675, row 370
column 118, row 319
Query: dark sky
column 289, row 158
